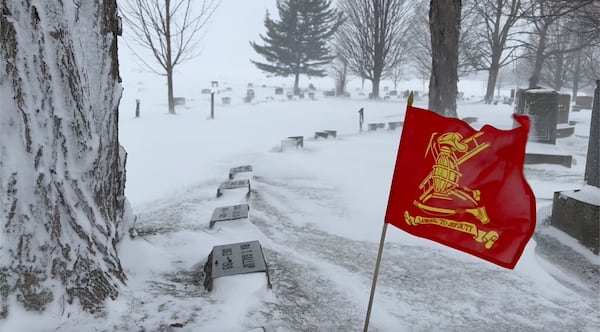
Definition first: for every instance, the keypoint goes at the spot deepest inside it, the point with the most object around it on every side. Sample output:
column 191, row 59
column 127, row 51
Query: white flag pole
column 377, row 263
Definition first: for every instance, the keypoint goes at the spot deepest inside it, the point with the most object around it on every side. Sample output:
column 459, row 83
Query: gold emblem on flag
column 449, row 151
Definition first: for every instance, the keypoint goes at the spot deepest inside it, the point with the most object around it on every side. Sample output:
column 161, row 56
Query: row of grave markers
column 243, row 257
column 234, row 258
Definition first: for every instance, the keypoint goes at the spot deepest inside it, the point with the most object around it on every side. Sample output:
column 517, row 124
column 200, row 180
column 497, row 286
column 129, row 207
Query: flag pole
column 409, row 102
column 377, row 263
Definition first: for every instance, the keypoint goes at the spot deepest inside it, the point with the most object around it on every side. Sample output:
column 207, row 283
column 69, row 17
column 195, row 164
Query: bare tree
column 419, row 35
column 339, row 68
column 589, row 69
column 170, row 29
column 373, row 37
column 444, row 22
column 543, row 15
column 419, row 52
column 396, row 75
column 492, row 37
column 569, row 69
column 62, row 170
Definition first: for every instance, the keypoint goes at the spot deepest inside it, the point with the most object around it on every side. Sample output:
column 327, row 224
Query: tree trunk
column 444, row 23
column 558, row 72
column 592, row 163
column 375, row 88
column 491, row 85
column 296, row 83
column 62, row 170
column 170, row 90
column 534, row 80
column 576, row 74
column 492, row 79
column 169, row 64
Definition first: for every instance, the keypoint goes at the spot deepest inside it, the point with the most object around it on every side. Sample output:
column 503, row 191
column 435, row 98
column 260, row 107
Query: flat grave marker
column 375, row 126
column 299, row 140
column 395, row 124
column 239, row 169
column 234, row 184
column 235, row 258
column 226, row 213
column 325, row 133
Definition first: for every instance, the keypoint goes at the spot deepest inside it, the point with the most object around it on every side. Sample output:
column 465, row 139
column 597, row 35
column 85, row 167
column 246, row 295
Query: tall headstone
column 577, row 212
column 592, row 166
column 541, row 106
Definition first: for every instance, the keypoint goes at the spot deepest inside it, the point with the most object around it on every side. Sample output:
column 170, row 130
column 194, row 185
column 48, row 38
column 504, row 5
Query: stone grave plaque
column 239, row 169
column 233, row 185
column 232, row 212
column 235, row 258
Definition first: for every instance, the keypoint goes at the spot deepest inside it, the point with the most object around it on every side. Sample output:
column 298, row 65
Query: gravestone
column 239, row 169
column 299, row 140
column 325, row 133
column 395, row 124
column 375, row 126
column 577, row 212
column 227, row 213
column 583, row 102
column 542, row 105
column 179, row 101
column 233, row 259
column 226, row 100
column 564, row 101
column 279, row 91
column 233, row 185
column 563, row 128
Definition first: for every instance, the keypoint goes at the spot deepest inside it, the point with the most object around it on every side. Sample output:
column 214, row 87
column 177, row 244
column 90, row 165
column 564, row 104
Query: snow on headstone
column 233, row 185
column 232, row 212
column 240, row 169
column 232, row 259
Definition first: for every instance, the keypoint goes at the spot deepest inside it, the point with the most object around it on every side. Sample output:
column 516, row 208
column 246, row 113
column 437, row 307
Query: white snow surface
column 318, row 213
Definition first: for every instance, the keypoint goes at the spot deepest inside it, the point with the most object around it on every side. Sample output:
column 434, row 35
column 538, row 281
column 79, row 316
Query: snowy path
column 419, row 289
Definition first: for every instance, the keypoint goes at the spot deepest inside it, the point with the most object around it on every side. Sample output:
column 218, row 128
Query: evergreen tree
column 297, row 43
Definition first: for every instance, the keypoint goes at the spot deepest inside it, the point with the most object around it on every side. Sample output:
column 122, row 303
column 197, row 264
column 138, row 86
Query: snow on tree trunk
column 62, row 170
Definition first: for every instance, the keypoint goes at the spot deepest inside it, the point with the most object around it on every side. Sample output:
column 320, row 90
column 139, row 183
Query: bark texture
column 444, row 24
column 62, row 169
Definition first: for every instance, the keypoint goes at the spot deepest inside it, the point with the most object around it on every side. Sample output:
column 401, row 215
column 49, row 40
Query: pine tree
column 297, row 43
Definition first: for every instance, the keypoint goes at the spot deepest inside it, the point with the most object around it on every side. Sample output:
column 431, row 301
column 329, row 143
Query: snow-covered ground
column 318, row 213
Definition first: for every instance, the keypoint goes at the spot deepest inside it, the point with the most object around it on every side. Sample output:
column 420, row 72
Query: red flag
column 463, row 188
